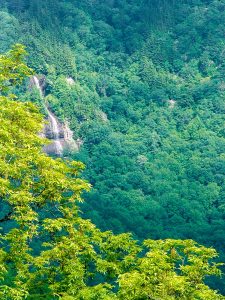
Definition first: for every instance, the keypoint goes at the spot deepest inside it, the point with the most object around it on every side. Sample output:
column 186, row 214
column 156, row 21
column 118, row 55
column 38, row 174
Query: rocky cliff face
column 59, row 133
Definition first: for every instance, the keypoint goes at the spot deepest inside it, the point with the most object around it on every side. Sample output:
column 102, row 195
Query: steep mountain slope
column 147, row 100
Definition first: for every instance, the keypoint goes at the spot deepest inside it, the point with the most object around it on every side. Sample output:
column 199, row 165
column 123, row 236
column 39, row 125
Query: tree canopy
column 141, row 85
column 48, row 251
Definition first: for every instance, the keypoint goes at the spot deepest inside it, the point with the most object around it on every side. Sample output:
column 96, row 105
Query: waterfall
column 55, row 129
column 56, row 133
column 54, row 125
column 37, row 84
column 60, row 133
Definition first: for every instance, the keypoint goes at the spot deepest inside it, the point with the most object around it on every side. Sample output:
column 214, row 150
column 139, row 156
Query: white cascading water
column 53, row 122
column 56, row 133
column 37, row 84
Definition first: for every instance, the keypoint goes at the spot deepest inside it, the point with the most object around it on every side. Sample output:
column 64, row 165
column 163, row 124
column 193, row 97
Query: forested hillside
column 147, row 101
column 48, row 251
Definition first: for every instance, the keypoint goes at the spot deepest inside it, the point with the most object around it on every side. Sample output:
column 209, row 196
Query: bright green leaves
column 34, row 187
column 171, row 269
column 12, row 69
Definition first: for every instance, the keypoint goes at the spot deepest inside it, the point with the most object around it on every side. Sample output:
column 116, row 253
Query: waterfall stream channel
column 55, row 130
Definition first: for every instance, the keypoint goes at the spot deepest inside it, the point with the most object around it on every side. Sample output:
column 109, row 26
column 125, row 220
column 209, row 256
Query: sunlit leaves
column 12, row 69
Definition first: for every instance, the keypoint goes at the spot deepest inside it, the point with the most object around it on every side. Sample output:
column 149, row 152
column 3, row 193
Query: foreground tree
column 48, row 251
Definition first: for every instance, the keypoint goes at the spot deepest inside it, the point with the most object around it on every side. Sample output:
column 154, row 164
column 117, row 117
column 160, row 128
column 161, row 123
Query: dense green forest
column 147, row 100
column 48, row 251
